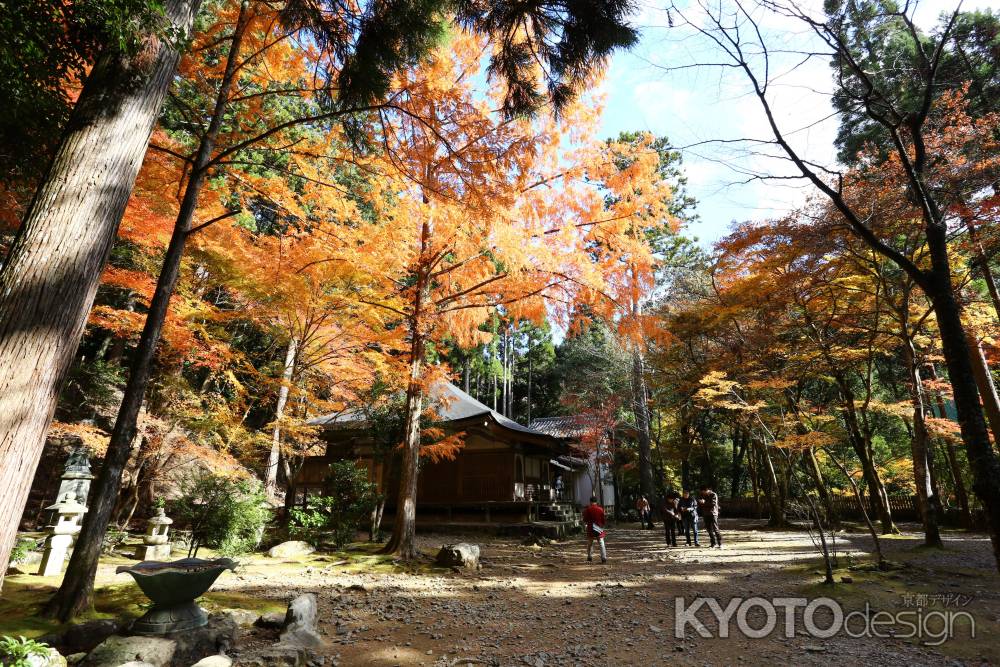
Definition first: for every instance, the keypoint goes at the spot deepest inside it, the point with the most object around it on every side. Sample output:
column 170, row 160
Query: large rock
column 116, row 651
column 181, row 649
column 459, row 555
column 219, row 636
column 82, row 637
column 52, row 659
column 290, row 549
column 300, row 623
column 277, row 656
column 214, row 661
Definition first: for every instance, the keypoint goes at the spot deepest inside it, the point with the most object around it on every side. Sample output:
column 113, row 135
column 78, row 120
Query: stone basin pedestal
column 173, row 588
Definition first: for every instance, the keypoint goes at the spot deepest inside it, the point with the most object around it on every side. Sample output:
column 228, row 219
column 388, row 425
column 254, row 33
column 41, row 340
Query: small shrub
column 113, row 539
column 20, row 550
column 223, row 513
column 16, row 651
column 345, row 506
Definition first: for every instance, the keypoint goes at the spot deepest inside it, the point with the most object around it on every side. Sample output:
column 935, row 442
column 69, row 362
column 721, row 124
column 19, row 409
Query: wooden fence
column 904, row 508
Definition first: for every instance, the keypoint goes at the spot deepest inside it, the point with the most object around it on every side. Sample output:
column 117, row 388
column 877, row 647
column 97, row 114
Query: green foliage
column 16, row 651
column 92, row 385
column 20, row 550
column 223, row 513
column 49, row 45
column 340, row 512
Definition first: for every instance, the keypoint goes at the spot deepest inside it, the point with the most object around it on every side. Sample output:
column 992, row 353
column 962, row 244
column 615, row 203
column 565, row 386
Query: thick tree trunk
column 74, row 595
column 271, row 472
column 640, row 409
column 956, row 347
column 50, row 277
column 930, row 504
column 405, row 521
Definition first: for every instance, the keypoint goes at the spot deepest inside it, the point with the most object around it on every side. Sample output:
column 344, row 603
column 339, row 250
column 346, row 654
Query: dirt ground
column 545, row 605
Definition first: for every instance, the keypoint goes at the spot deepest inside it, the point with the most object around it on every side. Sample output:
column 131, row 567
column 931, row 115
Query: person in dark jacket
column 689, row 517
column 671, row 513
column 709, row 502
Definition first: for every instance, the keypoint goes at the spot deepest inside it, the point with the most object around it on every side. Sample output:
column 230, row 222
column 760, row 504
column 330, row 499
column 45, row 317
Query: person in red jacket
column 593, row 519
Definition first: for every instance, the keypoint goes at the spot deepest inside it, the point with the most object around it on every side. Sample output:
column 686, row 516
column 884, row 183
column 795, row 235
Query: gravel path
column 545, row 605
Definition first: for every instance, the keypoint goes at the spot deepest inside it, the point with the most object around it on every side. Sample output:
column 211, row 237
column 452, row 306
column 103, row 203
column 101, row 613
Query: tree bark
column 76, row 590
column 986, row 386
column 639, row 408
column 271, row 473
column 405, row 520
column 956, row 348
column 51, row 274
column 930, row 504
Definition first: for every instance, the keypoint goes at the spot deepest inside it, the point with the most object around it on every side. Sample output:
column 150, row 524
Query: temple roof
column 450, row 403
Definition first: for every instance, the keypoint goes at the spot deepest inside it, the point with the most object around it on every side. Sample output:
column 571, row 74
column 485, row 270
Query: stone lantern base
column 153, row 551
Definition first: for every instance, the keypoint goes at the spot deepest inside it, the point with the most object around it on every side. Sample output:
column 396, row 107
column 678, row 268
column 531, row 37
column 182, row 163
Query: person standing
column 593, row 518
column 645, row 512
column 709, row 502
column 688, row 506
column 671, row 517
column 559, row 487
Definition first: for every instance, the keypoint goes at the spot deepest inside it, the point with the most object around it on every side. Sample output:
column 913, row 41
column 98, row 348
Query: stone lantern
column 76, row 477
column 67, row 514
column 156, row 543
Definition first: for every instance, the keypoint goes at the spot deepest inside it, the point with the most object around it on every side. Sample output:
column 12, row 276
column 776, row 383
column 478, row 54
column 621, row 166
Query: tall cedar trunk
column 74, row 596
column 954, row 465
column 930, row 504
column 271, row 473
column 956, row 348
column 50, row 277
column 466, row 372
column 642, row 424
column 876, row 489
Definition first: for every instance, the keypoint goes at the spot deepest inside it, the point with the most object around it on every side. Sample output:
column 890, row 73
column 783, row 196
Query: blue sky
column 698, row 104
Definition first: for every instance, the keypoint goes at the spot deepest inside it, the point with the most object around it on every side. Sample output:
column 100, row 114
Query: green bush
column 15, row 651
column 225, row 514
column 113, row 540
column 345, row 506
column 20, row 550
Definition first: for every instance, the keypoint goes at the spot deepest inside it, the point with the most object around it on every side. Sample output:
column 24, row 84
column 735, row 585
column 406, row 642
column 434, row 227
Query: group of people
column 680, row 514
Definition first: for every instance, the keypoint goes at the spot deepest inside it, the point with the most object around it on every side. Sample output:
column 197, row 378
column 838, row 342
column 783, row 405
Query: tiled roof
column 565, row 426
column 448, row 401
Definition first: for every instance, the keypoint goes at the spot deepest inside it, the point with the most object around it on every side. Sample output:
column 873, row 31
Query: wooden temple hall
column 504, row 473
